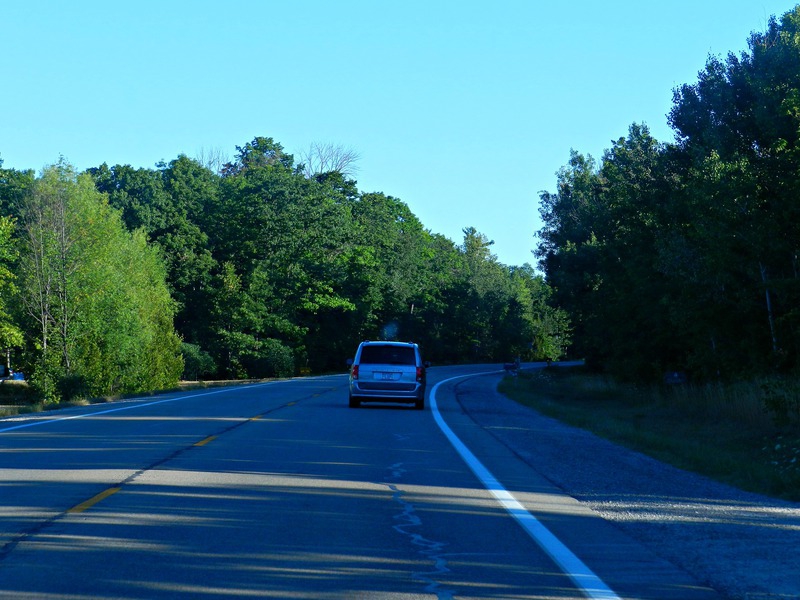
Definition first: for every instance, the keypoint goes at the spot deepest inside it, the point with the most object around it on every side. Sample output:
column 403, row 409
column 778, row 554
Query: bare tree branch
column 329, row 158
column 214, row 159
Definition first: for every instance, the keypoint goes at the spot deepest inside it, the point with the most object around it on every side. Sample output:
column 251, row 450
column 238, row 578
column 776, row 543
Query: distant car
column 13, row 375
column 388, row 372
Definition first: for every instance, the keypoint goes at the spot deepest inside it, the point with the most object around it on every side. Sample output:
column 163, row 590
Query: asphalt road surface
column 279, row 490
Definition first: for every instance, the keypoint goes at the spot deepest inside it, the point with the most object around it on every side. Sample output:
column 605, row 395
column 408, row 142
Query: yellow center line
column 92, row 501
column 210, row 438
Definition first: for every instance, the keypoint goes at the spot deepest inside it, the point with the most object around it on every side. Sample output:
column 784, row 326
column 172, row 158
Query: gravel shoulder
column 746, row 546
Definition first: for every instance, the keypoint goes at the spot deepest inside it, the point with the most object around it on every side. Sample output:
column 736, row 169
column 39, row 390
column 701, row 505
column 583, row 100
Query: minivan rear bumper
column 385, row 392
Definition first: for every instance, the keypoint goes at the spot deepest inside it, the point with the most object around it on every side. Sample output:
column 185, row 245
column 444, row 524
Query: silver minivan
column 387, row 372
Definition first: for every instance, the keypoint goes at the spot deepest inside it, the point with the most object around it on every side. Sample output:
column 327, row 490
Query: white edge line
column 44, row 421
column 583, row 577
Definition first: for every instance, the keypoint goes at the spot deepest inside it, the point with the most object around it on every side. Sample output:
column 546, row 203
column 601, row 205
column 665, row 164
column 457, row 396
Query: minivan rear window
column 388, row 355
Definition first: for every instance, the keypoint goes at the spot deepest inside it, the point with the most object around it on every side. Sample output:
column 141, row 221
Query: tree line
column 123, row 279
column 685, row 256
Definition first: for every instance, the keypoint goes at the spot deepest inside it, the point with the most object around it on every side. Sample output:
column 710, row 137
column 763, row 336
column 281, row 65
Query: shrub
column 197, row 363
column 272, row 359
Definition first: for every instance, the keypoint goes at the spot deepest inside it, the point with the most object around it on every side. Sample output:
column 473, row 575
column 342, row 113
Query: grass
column 17, row 397
column 746, row 434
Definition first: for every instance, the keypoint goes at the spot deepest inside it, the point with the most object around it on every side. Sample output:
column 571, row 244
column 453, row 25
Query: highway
column 279, row 490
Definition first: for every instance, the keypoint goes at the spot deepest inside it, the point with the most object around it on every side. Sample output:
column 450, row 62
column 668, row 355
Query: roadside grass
column 745, row 434
column 18, row 398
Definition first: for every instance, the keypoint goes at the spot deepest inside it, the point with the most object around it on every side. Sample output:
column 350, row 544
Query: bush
column 17, row 393
column 272, row 359
column 45, row 377
column 73, row 387
column 781, row 401
column 197, row 363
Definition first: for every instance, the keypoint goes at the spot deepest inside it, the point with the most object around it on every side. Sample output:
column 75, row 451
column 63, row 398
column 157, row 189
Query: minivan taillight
column 354, row 372
column 420, row 374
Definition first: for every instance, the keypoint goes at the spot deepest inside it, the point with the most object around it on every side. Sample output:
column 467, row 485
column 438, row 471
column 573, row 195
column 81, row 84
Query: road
column 278, row 490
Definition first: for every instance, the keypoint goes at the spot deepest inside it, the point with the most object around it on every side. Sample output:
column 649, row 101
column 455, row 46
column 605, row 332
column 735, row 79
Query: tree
column 685, row 256
column 213, row 159
column 391, row 269
column 11, row 335
column 635, row 188
column 321, row 159
column 599, row 251
column 533, row 328
column 14, row 186
column 271, row 268
column 570, row 251
column 194, row 192
column 261, row 152
column 96, row 293
column 172, row 205
column 48, row 263
column 739, row 126
column 483, row 297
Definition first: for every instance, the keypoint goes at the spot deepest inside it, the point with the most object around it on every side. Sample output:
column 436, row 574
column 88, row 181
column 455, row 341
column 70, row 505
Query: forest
column 677, row 257
column 121, row 280
column 683, row 257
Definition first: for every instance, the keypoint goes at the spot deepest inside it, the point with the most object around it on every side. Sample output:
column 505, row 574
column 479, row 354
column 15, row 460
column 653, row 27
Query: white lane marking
column 44, row 421
column 583, row 577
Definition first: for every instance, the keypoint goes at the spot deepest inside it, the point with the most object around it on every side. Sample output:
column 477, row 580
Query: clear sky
column 464, row 110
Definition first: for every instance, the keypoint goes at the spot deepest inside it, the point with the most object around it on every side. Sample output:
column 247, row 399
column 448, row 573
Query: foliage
column 11, row 335
column 297, row 268
column 685, row 256
column 264, row 268
column 100, row 314
column 197, row 363
column 170, row 205
column 270, row 358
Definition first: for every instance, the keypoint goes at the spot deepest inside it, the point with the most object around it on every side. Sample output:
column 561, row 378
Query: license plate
column 388, row 376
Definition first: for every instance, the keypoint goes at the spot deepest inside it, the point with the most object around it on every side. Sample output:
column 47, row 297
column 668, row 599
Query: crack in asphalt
column 432, row 550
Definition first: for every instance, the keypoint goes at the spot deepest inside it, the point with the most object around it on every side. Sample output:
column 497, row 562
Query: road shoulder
column 740, row 544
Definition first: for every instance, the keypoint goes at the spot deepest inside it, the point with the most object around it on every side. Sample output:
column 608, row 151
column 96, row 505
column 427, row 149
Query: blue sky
column 464, row 110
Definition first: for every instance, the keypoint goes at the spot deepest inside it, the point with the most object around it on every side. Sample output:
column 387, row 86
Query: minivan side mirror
column 349, row 362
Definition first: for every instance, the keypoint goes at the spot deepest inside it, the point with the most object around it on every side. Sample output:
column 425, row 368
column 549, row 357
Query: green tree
column 391, row 266
column 172, row 205
column 570, row 250
column 289, row 239
column 685, row 256
column 194, row 191
column 96, row 293
column 11, row 335
column 600, row 247
column 739, row 127
column 533, row 329
column 14, row 186
column 483, row 298
column 635, row 188
column 197, row 363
